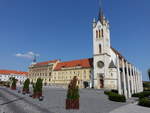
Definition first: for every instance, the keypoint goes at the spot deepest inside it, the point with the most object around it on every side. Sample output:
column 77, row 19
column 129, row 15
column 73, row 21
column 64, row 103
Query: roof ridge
column 13, row 72
column 48, row 61
column 76, row 60
column 85, row 63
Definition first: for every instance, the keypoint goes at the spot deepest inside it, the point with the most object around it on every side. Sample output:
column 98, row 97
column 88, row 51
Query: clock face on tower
column 100, row 64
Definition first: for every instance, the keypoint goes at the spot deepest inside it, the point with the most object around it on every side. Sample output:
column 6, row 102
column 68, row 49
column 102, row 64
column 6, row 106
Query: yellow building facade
column 61, row 73
column 43, row 70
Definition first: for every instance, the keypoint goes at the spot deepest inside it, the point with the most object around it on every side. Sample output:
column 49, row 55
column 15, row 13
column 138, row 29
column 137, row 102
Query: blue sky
column 62, row 29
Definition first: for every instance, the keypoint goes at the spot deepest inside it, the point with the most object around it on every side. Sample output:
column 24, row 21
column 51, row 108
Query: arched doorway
column 101, row 81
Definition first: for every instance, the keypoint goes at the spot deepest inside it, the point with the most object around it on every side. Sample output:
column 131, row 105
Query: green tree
column 73, row 90
column 37, row 88
column 14, row 81
column 26, row 85
column 34, row 88
column 39, row 85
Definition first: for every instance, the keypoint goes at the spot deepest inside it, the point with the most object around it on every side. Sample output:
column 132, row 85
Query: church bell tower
column 101, row 50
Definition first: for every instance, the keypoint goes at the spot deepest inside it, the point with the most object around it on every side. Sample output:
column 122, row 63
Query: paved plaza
column 131, row 108
column 91, row 101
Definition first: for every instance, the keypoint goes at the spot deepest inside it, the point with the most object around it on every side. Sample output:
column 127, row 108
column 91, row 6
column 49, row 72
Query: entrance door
column 101, row 83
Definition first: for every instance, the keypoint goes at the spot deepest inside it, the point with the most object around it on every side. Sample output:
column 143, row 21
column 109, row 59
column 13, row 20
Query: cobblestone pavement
column 91, row 101
column 14, row 103
column 131, row 108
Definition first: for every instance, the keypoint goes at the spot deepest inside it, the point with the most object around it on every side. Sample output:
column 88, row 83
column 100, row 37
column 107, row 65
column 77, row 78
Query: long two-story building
column 5, row 75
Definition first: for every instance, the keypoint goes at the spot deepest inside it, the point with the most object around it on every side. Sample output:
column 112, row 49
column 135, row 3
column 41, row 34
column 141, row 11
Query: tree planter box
column 24, row 91
column 37, row 95
column 13, row 88
column 72, row 103
column 34, row 96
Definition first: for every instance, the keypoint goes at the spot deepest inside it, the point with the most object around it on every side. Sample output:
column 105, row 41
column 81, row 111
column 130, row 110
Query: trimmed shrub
column 13, row 85
column 34, row 90
column 26, row 86
column 144, row 102
column 72, row 101
column 114, row 91
column 107, row 92
column 39, row 85
column 116, row 97
column 37, row 88
column 135, row 95
column 142, row 94
column 73, row 90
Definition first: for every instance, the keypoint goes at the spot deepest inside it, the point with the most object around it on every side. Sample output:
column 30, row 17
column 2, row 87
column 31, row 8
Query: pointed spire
column 101, row 14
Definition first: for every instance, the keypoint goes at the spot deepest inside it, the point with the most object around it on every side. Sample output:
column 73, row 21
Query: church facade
column 111, row 69
column 108, row 69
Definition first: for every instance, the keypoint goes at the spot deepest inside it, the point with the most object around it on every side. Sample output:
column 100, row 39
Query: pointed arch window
column 102, row 33
column 100, row 48
column 99, row 34
column 96, row 34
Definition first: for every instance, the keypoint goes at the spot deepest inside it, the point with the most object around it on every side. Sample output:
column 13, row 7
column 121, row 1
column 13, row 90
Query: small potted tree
column 72, row 101
column 39, row 85
column 13, row 85
column 34, row 90
column 37, row 88
column 26, row 86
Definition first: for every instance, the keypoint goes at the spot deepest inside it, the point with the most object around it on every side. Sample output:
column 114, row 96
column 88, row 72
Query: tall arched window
column 96, row 34
column 99, row 34
column 100, row 48
column 102, row 33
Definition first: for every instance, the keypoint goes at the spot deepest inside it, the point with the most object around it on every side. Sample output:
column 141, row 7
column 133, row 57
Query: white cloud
column 29, row 55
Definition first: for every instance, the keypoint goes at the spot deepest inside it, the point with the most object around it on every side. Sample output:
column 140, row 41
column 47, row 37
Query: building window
column 102, row 33
column 111, row 74
column 96, row 34
column 100, row 48
column 99, row 34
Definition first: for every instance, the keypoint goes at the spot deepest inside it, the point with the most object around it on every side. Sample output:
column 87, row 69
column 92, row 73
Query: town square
column 74, row 56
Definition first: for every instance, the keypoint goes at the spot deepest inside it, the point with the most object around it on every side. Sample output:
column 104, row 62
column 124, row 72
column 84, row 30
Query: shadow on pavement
column 12, row 101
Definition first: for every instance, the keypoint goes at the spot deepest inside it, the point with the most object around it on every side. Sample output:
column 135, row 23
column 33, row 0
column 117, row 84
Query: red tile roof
column 45, row 63
column 13, row 72
column 84, row 63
